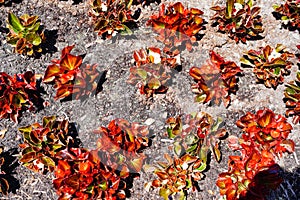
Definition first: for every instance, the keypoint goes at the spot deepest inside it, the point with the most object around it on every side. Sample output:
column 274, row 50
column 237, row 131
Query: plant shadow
column 49, row 45
column 274, row 183
column 8, row 167
column 287, row 26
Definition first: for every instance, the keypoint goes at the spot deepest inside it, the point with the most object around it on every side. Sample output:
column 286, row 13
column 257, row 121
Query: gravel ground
column 67, row 22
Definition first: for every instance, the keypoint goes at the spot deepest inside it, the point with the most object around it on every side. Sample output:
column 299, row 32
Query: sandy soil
column 67, row 22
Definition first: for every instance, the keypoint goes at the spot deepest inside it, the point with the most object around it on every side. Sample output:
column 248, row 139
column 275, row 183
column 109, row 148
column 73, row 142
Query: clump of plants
column 194, row 136
column 292, row 97
column 239, row 19
column 70, row 77
column 111, row 17
column 177, row 27
column 81, row 174
column 254, row 173
column 289, row 13
column 106, row 172
column 43, row 142
column 270, row 65
column 151, row 71
column 121, row 142
column 25, row 34
column 216, row 80
column 17, row 94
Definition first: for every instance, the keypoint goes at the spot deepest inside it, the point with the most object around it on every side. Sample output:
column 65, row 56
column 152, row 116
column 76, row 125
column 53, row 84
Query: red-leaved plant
column 254, row 173
column 177, row 27
column 121, row 143
column 215, row 80
column 239, row 19
column 151, row 71
column 81, row 174
column 111, row 17
column 270, row 65
column 289, row 13
column 17, row 93
column 42, row 142
column 105, row 172
column 70, row 77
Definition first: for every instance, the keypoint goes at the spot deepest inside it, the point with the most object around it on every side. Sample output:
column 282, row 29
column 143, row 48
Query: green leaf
column 154, row 83
column 142, row 73
column 246, row 62
column 275, row 6
column 48, row 121
column 37, row 40
column 202, row 167
column 165, row 193
column 177, row 148
column 25, row 129
column 126, row 30
column 189, row 183
column 48, row 161
column 290, row 91
column 229, row 7
column 217, row 153
column 250, row 3
column 192, row 148
column 277, row 71
column 103, row 185
column 15, row 23
column 34, row 27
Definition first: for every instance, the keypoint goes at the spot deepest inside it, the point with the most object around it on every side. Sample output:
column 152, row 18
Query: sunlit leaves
column 270, row 65
column 25, row 34
column 215, row 80
column 102, row 173
column 254, row 173
column 80, row 174
column 151, row 71
column 70, row 77
column 267, row 129
column 239, row 19
column 17, row 93
column 289, row 13
column 122, row 141
column 42, row 142
column 194, row 136
column 111, row 17
column 177, row 27
column 177, row 176
column 292, row 97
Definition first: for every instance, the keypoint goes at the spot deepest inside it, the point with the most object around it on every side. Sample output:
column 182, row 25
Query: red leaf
column 70, row 62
